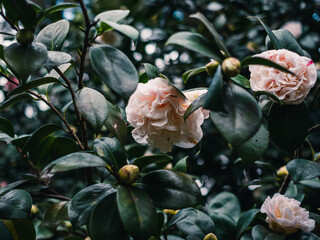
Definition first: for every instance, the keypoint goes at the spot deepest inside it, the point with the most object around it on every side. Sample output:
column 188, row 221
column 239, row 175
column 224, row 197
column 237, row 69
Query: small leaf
column 195, row 105
column 15, row 204
column 152, row 71
column 55, row 214
column 195, row 42
column 245, row 220
column 53, row 35
column 127, row 30
column 170, row 189
column 183, row 213
column 302, row 169
column 74, row 161
column 241, row 81
column 136, row 212
column 93, row 106
column 16, row 99
column 144, row 161
column 6, row 127
column 55, row 8
column 112, row 15
column 181, row 165
column 188, row 74
column 225, row 226
column 56, row 58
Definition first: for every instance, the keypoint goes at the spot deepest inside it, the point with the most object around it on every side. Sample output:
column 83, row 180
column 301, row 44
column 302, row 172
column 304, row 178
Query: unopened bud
column 210, row 236
column 211, row 67
column 169, row 211
column 129, row 174
column 34, row 209
column 24, row 37
column 231, row 66
column 67, row 224
column 282, row 171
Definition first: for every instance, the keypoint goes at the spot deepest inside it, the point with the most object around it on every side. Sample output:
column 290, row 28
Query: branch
column 313, row 129
column 8, row 20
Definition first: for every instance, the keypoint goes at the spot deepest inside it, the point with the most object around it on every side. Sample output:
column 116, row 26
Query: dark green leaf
column 56, row 58
column 39, row 135
column 20, row 229
column 243, row 117
column 6, row 127
column 194, row 42
column 75, row 161
column 152, row 71
column 245, row 220
column 53, row 35
column 55, row 214
column 270, row 95
column 115, row 69
column 246, row 237
column 183, row 213
column 261, row 233
column 241, row 81
column 196, row 104
column 144, row 161
column 40, row 154
column 192, row 72
column 93, row 106
column 226, row 203
column 5, row 233
column 83, row 203
column 10, row 186
column 127, row 30
column 111, row 150
column 197, row 224
column 15, row 204
column 62, row 146
column 225, row 226
column 136, row 212
column 170, row 189
column 181, row 165
column 288, row 125
column 295, row 191
column 20, row 141
column 302, row 169
column 56, row 8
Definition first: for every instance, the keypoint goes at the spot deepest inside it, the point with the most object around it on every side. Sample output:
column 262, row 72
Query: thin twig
column 8, row 20
column 313, row 129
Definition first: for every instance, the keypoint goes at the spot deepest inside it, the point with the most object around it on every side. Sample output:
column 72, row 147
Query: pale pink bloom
column 287, row 87
column 285, row 215
column 156, row 112
column 294, row 27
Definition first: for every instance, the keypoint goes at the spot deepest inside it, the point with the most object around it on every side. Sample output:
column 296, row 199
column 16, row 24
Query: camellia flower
column 287, row 87
column 285, row 215
column 156, row 112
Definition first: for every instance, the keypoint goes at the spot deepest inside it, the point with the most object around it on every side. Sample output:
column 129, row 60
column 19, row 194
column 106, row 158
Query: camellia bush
column 115, row 161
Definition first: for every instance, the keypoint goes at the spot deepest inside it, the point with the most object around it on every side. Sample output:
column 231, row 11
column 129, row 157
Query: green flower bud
column 34, row 209
column 211, row 67
column 210, row 236
column 24, row 36
column 129, row 174
column 231, row 66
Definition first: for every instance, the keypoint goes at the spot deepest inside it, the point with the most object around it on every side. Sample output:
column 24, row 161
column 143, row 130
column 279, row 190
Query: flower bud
column 129, row 174
column 210, row 236
column 231, row 66
column 211, row 67
column 34, row 209
column 169, row 211
column 282, row 171
column 24, row 36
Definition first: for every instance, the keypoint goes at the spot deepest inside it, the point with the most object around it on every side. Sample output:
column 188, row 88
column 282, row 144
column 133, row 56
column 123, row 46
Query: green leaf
column 136, row 212
column 226, row 203
column 15, row 99
column 15, row 204
column 181, row 165
column 115, row 69
column 6, row 127
column 242, row 118
column 105, row 222
column 255, row 147
column 20, row 229
column 265, row 62
column 225, row 226
column 274, row 40
column 82, row 204
column 54, row 9
column 288, row 125
column 5, row 233
column 270, row 95
column 116, row 124
column 295, row 191
column 53, row 35
column 56, row 58
column 261, row 233
column 287, row 40
column 196, row 104
column 194, row 42
column 214, row 97
column 246, row 237
column 127, row 30
column 24, row 60
column 170, row 189
column 245, row 220
column 197, row 224
column 93, row 106
column 144, row 161
column 213, row 32
column 11, row 186
column 302, row 169
column 112, row 15
column 188, row 74
column 183, row 213
column 55, row 214
column 40, row 154
column 74, row 161
column 39, row 135
column 111, row 150
column 241, row 81
column 62, row 146
column 33, row 84
column 152, row 71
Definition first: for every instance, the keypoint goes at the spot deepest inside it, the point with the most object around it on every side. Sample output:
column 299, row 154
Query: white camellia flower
column 156, row 112
column 285, row 215
column 287, row 87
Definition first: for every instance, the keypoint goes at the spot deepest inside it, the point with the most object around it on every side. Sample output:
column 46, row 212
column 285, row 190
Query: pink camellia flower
column 285, row 215
column 156, row 112
column 287, row 87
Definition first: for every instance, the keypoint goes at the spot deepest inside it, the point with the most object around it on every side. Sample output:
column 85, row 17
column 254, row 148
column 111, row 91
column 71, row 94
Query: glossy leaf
column 302, row 169
column 115, row 69
column 170, row 189
column 40, row 154
column 111, row 150
column 75, row 161
column 15, row 204
column 225, row 226
column 195, row 105
column 242, row 81
column 112, row 15
column 183, row 213
column 5, row 233
column 55, row 214
column 136, row 212
column 188, row 74
column 245, row 220
column 181, row 165
column 93, row 106
column 194, row 42
column 11, row 186
column 53, row 35
column 82, row 204
column 15, row 99
column 152, row 71
column 56, row 58
column 20, row 229
column 6, row 127
column 242, row 118
column 56, row 8
column 62, row 146
column 270, row 95
column 288, row 125
column 261, row 233
column 127, row 30
column 226, row 203
column 144, row 161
